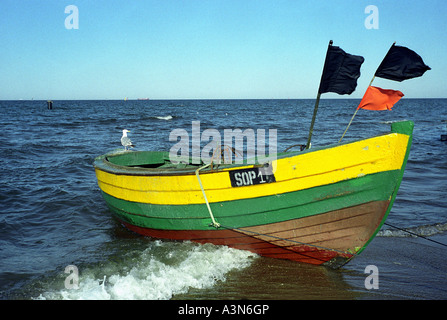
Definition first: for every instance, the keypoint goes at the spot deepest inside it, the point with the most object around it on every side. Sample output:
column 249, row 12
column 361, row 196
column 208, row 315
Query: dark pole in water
column 50, row 104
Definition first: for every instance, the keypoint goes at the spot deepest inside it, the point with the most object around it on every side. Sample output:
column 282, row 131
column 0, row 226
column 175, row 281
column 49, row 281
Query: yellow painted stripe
column 295, row 173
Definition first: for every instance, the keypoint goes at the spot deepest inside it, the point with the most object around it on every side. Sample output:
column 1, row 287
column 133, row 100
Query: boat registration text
column 248, row 177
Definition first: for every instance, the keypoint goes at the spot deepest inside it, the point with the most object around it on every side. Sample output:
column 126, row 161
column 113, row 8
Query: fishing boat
column 321, row 206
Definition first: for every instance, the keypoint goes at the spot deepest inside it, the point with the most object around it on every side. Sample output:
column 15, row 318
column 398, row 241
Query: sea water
column 52, row 214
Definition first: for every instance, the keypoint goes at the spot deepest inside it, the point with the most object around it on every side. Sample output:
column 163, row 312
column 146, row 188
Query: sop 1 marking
column 248, row 177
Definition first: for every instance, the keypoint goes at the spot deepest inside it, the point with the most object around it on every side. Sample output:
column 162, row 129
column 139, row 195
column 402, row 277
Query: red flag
column 376, row 98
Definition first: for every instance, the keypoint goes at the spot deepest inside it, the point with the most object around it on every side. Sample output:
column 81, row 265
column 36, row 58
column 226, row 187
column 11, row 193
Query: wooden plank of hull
column 316, row 239
column 341, row 230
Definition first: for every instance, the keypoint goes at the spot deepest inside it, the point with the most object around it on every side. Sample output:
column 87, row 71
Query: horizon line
column 192, row 99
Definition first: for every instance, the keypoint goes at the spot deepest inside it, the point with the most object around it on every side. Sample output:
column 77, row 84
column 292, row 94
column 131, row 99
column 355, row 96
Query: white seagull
column 125, row 140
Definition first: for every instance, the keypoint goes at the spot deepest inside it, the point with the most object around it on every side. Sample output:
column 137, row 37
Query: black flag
column 401, row 63
column 341, row 71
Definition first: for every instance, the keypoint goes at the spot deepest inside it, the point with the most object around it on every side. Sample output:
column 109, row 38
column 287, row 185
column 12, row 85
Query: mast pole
column 394, row 43
column 317, row 102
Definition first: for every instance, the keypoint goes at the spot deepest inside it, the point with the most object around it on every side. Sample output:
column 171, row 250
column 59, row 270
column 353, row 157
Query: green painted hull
column 258, row 211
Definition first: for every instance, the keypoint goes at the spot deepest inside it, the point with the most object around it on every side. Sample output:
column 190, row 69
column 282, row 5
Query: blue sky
column 217, row 49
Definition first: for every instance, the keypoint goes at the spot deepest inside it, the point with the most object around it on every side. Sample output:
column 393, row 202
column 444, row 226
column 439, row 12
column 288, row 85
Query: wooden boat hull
column 321, row 207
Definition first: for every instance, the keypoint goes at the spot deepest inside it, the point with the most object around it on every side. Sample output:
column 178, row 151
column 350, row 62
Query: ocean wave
column 159, row 117
column 424, row 231
column 391, row 121
column 159, row 272
column 168, row 117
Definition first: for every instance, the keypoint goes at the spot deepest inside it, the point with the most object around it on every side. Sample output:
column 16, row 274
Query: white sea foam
column 158, row 278
column 164, row 118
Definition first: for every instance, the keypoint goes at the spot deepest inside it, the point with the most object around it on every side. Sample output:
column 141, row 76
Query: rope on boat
column 415, row 234
column 215, row 224
column 222, row 155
